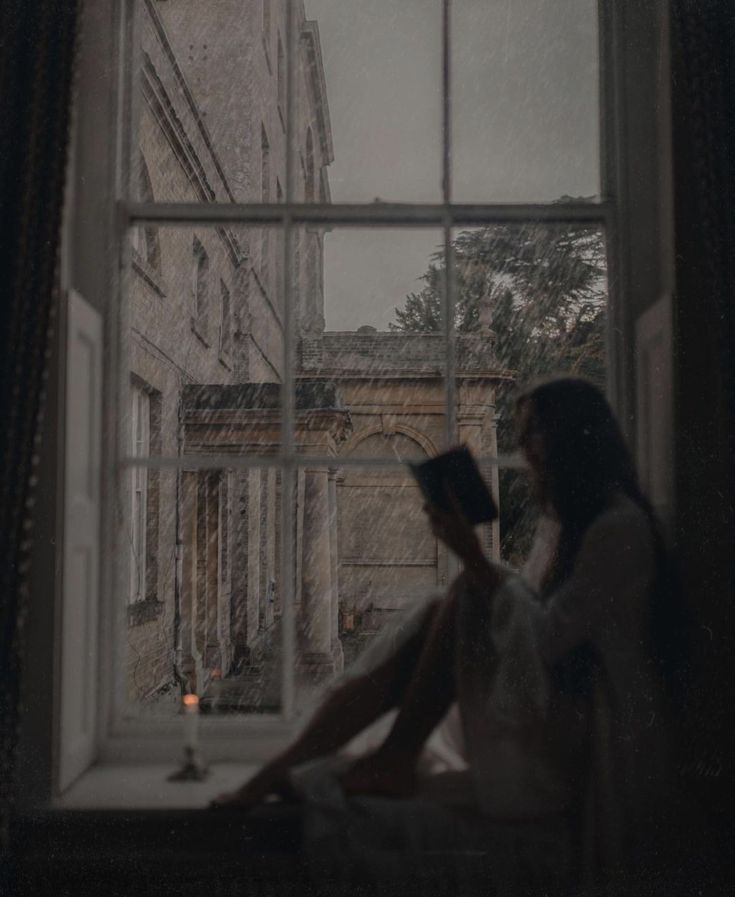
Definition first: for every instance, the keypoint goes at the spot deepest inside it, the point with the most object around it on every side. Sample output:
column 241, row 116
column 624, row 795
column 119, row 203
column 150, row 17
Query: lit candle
column 190, row 710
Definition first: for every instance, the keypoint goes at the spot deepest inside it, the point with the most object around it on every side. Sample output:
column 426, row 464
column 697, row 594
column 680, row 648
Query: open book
column 455, row 473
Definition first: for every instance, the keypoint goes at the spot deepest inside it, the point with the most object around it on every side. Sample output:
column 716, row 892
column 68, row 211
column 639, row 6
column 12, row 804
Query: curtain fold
column 37, row 44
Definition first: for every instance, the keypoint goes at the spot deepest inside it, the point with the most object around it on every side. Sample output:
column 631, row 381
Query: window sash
column 289, row 214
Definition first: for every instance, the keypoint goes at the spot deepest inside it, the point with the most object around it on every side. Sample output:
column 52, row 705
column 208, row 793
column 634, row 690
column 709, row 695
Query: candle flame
column 190, row 700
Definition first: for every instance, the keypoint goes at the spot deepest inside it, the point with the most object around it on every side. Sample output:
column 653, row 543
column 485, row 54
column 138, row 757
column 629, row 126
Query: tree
column 541, row 290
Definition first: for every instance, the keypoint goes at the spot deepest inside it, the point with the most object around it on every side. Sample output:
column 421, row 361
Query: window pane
column 536, row 296
column 525, row 100
column 518, row 516
column 382, row 73
column 365, row 558
column 210, row 111
column 390, row 379
column 206, row 333
column 211, row 622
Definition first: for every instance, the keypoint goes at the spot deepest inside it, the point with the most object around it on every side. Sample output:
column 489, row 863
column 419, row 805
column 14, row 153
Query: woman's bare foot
column 381, row 774
column 269, row 781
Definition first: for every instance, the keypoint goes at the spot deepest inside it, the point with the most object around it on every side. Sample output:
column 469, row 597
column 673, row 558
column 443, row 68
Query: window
column 200, row 290
column 226, row 323
column 281, row 74
column 267, row 30
column 144, row 240
column 145, row 433
column 265, row 196
column 309, row 167
column 324, row 400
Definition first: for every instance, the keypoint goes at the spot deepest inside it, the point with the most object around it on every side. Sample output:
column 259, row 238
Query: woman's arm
column 615, row 562
column 458, row 534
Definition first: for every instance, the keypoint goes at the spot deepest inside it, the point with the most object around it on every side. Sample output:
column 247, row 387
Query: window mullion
column 288, row 392
column 448, row 291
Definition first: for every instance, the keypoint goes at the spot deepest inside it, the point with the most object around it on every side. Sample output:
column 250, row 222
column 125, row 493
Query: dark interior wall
column 703, row 76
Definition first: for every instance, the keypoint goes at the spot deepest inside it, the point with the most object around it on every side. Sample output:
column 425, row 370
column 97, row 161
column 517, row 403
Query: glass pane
column 535, row 297
column 388, row 376
column 206, row 337
column 210, row 623
column 209, row 120
column 525, row 100
column 518, row 516
column 382, row 73
column 365, row 557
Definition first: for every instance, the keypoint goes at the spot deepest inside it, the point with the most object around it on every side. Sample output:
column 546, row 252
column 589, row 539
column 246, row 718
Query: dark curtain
column 703, row 114
column 37, row 39
column 703, row 37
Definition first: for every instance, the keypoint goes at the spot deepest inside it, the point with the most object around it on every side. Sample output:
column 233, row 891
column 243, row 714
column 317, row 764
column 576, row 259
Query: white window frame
column 128, row 739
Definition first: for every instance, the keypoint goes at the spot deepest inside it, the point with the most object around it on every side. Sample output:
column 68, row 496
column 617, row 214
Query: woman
column 564, row 678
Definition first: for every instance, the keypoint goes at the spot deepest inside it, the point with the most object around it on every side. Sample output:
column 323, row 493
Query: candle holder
column 193, row 767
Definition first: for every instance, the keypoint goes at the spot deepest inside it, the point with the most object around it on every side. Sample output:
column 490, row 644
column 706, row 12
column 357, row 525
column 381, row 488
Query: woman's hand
column 456, row 532
column 460, row 536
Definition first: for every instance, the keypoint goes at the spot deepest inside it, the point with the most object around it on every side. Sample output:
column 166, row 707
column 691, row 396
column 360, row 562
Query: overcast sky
column 525, row 124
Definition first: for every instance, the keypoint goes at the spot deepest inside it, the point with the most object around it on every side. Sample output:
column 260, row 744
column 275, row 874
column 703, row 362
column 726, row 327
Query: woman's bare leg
column 391, row 769
column 345, row 713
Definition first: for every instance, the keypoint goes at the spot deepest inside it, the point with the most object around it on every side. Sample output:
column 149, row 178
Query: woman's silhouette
column 566, row 677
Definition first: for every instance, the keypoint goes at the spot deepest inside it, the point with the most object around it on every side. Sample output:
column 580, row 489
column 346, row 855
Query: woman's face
column 531, row 443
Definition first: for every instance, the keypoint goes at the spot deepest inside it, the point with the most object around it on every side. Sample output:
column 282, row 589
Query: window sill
column 146, row 787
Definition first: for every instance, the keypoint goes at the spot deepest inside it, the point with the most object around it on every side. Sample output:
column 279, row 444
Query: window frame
column 123, row 742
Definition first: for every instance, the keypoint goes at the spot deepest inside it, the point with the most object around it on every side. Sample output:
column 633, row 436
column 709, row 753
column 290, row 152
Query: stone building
column 206, row 361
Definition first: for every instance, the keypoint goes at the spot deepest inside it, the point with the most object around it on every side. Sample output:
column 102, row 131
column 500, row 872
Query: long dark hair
column 587, row 463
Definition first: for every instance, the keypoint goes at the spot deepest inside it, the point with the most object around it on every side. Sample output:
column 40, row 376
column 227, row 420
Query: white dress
column 513, row 760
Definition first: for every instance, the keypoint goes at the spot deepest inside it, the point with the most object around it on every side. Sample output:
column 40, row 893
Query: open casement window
column 450, row 242
column 79, row 652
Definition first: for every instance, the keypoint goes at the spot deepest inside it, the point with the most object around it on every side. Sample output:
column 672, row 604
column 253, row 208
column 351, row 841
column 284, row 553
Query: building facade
column 205, row 356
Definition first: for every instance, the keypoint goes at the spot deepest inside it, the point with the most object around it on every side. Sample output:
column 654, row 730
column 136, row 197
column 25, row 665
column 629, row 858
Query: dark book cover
column 456, row 473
